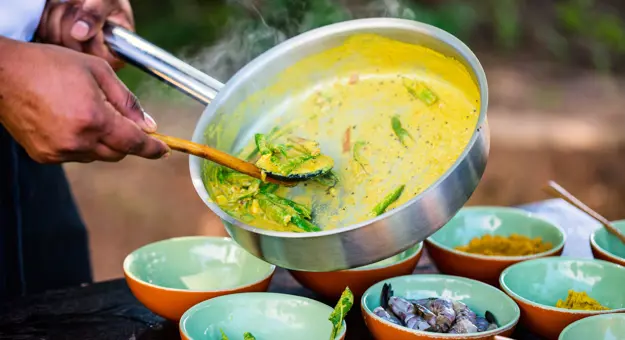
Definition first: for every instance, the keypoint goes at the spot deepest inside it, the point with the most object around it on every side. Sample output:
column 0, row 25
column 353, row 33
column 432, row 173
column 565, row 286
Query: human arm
column 64, row 106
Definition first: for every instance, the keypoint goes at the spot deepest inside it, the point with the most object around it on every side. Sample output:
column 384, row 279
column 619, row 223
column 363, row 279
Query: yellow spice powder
column 513, row 245
column 580, row 301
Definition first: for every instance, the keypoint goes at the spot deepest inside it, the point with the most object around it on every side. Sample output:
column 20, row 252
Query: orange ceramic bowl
column 173, row 275
column 477, row 295
column 331, row 284
column 473, row 222
column 608, row 247
column 537, row 285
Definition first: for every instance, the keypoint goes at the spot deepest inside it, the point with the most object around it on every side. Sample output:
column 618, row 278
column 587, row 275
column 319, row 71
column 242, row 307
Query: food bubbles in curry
column 392, row 129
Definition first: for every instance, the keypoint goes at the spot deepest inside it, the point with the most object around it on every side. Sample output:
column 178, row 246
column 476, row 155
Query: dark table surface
column 107, row 310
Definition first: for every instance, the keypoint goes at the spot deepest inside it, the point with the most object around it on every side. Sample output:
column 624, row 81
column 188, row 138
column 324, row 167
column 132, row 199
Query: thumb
column 89, row 19
column 124, row 101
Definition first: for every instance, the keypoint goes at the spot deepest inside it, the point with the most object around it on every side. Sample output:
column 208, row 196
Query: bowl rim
column 521, row 299
column 588, row 319
column 501, row 258
column 131, row 276
column 418, row 250
column 498, row 330
column 187, row 314
column 603, row 251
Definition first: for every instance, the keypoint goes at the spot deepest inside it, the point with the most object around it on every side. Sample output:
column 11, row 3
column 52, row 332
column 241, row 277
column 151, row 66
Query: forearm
column 9, row 49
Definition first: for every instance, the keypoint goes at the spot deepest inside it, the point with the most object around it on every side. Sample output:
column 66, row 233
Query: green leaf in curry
column 358, row 156
column 402, row 134
column 421, row 92
column 343, row 306
column 381, row 207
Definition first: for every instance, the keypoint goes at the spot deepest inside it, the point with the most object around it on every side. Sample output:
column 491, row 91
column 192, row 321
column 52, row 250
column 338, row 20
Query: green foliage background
column 585, row 33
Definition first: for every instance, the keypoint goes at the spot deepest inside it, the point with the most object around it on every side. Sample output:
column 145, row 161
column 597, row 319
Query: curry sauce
column 391, row 115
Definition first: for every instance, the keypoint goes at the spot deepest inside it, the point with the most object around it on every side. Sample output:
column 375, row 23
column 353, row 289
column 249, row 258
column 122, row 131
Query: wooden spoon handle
column 555, row 190
column 216, row 156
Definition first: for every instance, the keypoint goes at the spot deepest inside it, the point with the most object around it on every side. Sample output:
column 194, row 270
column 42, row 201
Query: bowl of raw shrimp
column 432, row 306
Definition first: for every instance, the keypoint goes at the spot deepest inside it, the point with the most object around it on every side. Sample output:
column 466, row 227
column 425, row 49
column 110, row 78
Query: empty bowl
column 267, row 316
column 331, row 284
column 608, row 247
column 474, row 222
column 478, row 296
column 171, row 276
column 537, row 285
column 598, row 327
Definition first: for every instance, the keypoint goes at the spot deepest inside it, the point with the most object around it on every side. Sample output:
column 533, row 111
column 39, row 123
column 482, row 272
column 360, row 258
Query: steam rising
column 275, row 21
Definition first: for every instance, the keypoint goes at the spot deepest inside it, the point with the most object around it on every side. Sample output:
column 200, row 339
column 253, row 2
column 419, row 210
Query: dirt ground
column 545, row 124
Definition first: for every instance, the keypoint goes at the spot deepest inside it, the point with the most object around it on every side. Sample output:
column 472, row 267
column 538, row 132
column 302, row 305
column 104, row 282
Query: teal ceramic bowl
column 171, row 276
column 268, row 316
column 479, row 296
column 478, row 221
column 599, row 327
column 537, row 285
column 608, row 247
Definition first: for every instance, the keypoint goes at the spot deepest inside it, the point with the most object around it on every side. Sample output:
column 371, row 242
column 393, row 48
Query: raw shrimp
column 466, row 319
column 384, row 314
column 443, row 311
column 407, row 313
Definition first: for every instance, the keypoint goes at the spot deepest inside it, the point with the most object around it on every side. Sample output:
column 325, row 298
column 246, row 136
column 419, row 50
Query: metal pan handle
column 161, row 64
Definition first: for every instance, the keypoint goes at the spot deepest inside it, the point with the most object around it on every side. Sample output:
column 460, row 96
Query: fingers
column 124, row 101
column 127, row 138
column 104, row 153
column 90, row 18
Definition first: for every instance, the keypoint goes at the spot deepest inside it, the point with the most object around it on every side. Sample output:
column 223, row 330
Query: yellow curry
column 392, row 128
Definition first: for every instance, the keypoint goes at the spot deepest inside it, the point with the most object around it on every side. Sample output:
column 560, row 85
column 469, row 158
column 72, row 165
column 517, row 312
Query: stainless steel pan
column 351, row 245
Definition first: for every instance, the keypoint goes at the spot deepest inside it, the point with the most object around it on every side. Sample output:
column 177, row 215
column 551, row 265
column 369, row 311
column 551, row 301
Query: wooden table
column 107, row 310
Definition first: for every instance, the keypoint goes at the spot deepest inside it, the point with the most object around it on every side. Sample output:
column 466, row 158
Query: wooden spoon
column 555, row 190
column 219, row 157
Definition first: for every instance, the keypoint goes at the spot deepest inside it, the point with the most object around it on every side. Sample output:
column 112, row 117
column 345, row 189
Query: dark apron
column 43, row 241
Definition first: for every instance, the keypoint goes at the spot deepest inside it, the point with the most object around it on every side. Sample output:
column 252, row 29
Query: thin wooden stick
column 555, row 190
column 218, row 157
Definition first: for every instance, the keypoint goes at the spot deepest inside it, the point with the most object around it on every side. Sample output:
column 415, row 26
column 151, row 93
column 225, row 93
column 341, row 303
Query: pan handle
column 161, row 64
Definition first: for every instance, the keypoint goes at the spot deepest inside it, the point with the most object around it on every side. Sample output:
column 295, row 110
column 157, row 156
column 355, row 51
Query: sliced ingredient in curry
column 297, row 157
column 512, row 245
column 253, row 201
column 432, row 314
column 580, row 301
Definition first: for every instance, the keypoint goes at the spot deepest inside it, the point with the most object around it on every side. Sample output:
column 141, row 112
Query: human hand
column 64, row 106
column 77, row 24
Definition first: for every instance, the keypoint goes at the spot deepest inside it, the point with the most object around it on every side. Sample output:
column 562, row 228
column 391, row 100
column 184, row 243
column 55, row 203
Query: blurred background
column 556, row 108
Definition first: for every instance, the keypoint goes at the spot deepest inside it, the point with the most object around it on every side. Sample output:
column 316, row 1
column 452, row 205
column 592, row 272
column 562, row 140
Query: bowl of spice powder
column 480, row 242
column 554, row 292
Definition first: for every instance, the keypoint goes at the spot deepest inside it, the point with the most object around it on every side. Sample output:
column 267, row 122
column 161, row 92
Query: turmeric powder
column 513, row 245
column 580, row 301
